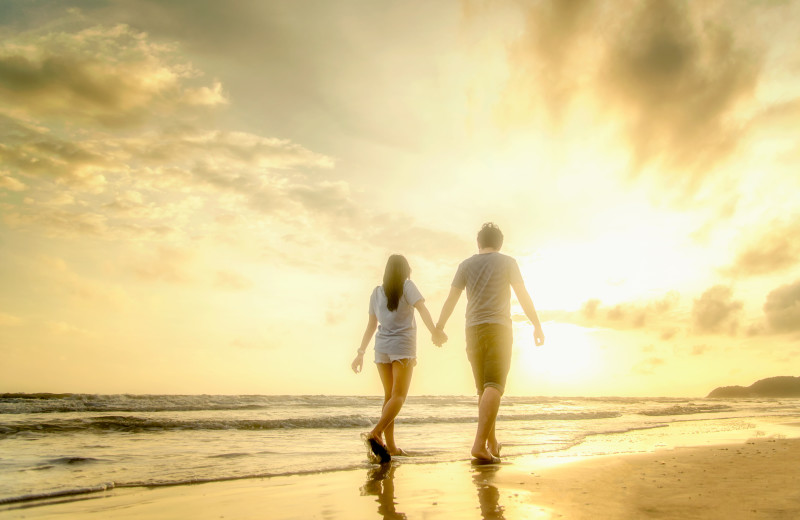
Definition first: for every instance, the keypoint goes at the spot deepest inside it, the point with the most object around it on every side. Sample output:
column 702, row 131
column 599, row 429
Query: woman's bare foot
column 395, row 452
column 376, row 450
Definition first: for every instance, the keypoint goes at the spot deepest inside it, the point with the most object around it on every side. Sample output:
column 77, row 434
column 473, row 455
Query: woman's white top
column 397, row 329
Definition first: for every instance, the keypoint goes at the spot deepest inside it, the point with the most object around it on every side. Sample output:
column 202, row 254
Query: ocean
column 72, row 444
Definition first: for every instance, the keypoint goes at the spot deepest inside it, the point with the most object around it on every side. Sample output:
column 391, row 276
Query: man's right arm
column 448, row 307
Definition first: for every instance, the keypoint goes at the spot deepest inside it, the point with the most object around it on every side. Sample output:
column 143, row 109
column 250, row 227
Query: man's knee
column 493, row 387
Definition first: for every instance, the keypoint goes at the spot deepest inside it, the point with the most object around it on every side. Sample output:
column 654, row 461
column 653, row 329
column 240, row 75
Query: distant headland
column 781, row 386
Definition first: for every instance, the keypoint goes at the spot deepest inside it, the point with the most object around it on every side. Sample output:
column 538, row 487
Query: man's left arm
column 530, row 311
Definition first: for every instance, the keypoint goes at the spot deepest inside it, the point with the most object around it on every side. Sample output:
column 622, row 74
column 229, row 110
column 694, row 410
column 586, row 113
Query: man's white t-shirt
column 488, row 278
column 397, row 330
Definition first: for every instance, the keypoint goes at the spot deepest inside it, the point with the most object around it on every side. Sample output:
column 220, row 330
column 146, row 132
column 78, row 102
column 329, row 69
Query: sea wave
column 687, row 409
column 62, row 403
column 123, row 423
column 27, row 403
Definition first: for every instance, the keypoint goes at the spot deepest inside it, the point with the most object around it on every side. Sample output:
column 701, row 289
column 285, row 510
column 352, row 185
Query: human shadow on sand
column 380, row 483
column 488, row 494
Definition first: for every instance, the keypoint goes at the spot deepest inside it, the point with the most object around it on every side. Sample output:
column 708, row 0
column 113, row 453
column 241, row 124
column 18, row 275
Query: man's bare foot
column 494, row 448
column 483, row 455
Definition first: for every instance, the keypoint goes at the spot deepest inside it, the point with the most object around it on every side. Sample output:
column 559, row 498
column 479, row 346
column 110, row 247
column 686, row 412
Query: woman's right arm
column 372, row 325
column 437, row 336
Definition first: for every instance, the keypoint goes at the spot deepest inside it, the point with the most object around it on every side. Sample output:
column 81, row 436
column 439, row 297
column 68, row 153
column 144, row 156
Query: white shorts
column 380, row 357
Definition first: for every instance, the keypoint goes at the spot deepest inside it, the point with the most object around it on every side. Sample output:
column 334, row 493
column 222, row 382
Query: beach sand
column 755, row 480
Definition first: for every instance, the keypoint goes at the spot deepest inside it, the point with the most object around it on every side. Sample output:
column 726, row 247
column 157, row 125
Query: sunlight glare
column 569, row 357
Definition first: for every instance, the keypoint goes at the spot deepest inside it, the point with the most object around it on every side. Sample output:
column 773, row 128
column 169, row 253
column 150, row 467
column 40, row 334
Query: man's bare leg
column 491, row 441
column 487, row 413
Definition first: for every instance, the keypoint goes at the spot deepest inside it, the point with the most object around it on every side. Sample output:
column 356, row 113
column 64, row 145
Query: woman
column 391, row 312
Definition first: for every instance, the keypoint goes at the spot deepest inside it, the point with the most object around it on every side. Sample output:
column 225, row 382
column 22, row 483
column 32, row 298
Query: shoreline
column 756, row 479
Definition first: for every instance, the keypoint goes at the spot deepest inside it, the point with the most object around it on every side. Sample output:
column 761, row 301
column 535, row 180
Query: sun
column 569, row 359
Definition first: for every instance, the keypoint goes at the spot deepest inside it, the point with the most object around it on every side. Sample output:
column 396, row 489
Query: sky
column 199, row 196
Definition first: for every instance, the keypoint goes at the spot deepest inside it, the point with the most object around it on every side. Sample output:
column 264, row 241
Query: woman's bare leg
column 387, row 380
column 401, row 373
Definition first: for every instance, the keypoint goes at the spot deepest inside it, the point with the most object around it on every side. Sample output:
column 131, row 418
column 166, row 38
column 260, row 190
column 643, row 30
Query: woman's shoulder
column 411, row 292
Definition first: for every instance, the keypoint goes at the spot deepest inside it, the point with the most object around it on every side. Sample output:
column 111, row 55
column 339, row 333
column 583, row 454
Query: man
column 487, row 277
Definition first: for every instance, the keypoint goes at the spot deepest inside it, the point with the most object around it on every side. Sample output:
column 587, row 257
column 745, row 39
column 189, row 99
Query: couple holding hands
column 487, row 277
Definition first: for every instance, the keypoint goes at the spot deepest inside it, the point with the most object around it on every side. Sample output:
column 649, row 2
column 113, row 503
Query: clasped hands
column 438, row 337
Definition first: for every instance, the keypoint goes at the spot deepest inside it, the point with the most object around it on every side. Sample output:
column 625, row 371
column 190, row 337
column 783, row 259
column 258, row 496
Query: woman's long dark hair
column 396, row 273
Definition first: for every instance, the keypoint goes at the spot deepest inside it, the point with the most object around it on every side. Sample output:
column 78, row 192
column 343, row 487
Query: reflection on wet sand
column 380, row 483
column 488, row 494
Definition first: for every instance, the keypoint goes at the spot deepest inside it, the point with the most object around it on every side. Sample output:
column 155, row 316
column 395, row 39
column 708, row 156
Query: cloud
column 109, row 76
column 57, row 275
column 73, row 108
column 57, row 222
column 716, row 310
column 589, row 308
column 167, row 264
column 232, row 281
column 10, row 183
column 782, row 308
column 771, row 251
column 61, row 328
column 648, row 366
column 678, row 77
column 669, row 333
column 622, row 316
column 400, row 234
column 545, row 69
column 672, row 75
column 31, row 151
column 9, row 320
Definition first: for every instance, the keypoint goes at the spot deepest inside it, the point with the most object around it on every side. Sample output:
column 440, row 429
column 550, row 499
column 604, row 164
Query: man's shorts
column 489, row 353
column 405, row 359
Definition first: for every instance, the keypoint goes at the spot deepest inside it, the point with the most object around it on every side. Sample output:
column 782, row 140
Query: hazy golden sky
column 198, row 196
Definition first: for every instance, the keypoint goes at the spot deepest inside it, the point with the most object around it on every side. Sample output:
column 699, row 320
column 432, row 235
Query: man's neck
column 484, row 250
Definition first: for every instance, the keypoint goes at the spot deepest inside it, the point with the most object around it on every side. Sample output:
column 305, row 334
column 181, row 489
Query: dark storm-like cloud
column 782, row 308
column 677, row 79
column 673, row 73
column 716, row 310
column 543, row 59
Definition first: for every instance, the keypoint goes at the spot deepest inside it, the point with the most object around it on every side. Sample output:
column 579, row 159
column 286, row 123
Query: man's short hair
column 490, row 236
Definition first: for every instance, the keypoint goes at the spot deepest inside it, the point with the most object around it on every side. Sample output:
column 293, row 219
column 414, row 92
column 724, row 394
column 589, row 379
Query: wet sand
column 759, row 479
